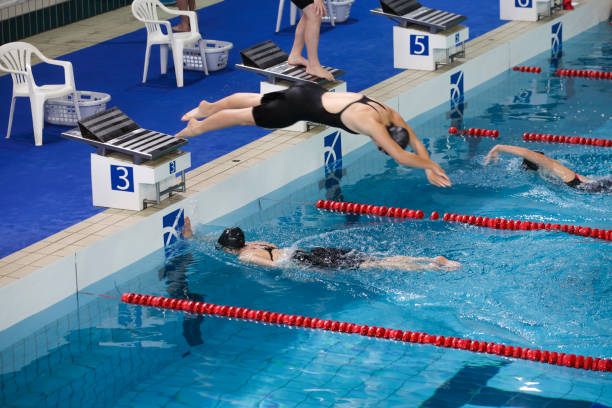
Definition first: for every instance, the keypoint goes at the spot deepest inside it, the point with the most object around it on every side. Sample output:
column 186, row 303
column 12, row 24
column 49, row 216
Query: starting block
column 269, row 60
column 133, row 167
column 527, row 10
column 424, row 37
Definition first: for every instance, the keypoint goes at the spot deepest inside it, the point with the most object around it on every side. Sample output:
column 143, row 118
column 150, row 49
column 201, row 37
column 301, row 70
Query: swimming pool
column 537, row 289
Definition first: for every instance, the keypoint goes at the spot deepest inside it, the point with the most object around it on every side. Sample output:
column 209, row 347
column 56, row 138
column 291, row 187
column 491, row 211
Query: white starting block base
column 117, row 182
column 301, row 126
column 414, row 47
column 524, row 10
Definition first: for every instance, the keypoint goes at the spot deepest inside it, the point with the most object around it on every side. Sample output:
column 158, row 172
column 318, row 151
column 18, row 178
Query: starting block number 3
column 419, row 44
column 122, row 178
column 522, row 3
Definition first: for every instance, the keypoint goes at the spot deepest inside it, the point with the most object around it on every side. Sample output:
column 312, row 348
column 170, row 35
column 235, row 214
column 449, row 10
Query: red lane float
column 533, row 70
column 583, row 73
column 369, row 209
column 474, row 132
column 590, row 141
column 504, row 224
column 543, row 356
column 496, row 223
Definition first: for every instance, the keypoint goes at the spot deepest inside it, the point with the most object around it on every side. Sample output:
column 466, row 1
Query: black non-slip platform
column 112, row 130
column 269, row 60
column 412, row 12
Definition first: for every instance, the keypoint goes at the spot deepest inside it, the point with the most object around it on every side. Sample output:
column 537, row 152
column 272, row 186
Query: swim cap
column 529, row 165
column 232, row 238
column 400, row 135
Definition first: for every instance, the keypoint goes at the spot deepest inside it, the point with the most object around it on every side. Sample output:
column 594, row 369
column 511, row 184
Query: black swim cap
column 400, row 135
column 529, row 165
column 232, row 238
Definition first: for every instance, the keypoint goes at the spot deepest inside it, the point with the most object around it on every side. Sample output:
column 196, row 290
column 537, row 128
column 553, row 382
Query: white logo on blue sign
column 332, row 152
column 557, row 38
column 523, row 3
column 456, row 89
column 122, row 178
column 419, row 44
column 172, row 166
column 172, row 224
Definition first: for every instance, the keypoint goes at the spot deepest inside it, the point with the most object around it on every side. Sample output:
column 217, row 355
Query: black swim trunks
column 299, row 102
column 330, row 258
column 596, row 185
column 575, row 182
column 302, row 3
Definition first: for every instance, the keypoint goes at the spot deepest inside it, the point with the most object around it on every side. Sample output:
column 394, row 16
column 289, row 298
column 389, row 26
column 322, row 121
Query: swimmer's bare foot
column 200, row 112
column 190, row 130
column 187, row 231
column 444, row 263
column 297, row 60
column 320, row 72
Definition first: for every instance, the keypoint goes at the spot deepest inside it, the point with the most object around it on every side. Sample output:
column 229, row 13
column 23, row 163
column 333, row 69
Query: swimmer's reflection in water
column 177, row 286
column 232, row 240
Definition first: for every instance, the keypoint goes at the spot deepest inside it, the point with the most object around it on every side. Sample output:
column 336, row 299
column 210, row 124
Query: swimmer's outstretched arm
column 420, row 159
column 541, row 160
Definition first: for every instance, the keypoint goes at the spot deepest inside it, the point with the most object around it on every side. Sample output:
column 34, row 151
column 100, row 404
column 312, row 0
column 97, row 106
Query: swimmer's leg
column 234, row 101
column 409, row 263
column 219, row 120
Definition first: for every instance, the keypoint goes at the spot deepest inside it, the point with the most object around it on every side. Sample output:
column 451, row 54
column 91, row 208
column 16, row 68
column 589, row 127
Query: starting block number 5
column 522, row 3
column 419, row 44
column 122, row 178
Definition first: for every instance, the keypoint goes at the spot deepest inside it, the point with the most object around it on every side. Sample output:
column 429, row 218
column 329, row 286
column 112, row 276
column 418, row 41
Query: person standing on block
column 307, row 33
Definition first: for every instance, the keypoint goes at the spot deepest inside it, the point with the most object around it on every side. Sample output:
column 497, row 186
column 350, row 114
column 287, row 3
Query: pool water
column 537, row 289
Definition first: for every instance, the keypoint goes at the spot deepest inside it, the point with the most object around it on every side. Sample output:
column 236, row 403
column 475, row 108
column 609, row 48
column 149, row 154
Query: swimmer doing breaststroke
column 350, row 111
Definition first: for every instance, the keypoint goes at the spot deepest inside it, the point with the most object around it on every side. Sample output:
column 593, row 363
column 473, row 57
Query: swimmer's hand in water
column 437, row 176
column 493, row 153
column 190, row 130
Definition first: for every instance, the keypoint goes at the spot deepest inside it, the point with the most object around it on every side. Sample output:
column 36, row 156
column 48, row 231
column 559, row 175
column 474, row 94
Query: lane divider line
column 485, row 222
column 590, row 141
column 476, row 346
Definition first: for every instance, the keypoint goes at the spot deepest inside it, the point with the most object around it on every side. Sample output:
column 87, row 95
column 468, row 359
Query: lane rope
column 476, row 346
column 583, row 73
column 473, row 132
column 590, row 141
column 486, row 222
column 533, row 70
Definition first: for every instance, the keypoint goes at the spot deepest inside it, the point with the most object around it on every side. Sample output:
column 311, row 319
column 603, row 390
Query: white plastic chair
column 15, row 58
column 293, row 13
column 146, row 11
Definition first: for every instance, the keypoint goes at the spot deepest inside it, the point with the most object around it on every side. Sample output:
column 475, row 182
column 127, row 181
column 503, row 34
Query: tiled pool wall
column 87, row 268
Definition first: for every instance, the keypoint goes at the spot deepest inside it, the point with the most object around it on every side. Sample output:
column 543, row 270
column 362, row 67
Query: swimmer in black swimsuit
column 534, row 160
column 266, row 254
column 354, row 113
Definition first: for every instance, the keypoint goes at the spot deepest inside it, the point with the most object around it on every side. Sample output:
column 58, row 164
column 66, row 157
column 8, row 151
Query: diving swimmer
column 350, row 111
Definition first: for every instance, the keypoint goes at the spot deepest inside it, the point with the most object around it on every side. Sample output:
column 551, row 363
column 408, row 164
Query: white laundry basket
column 216, row 53
column 60, row 111
column 341, row 9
